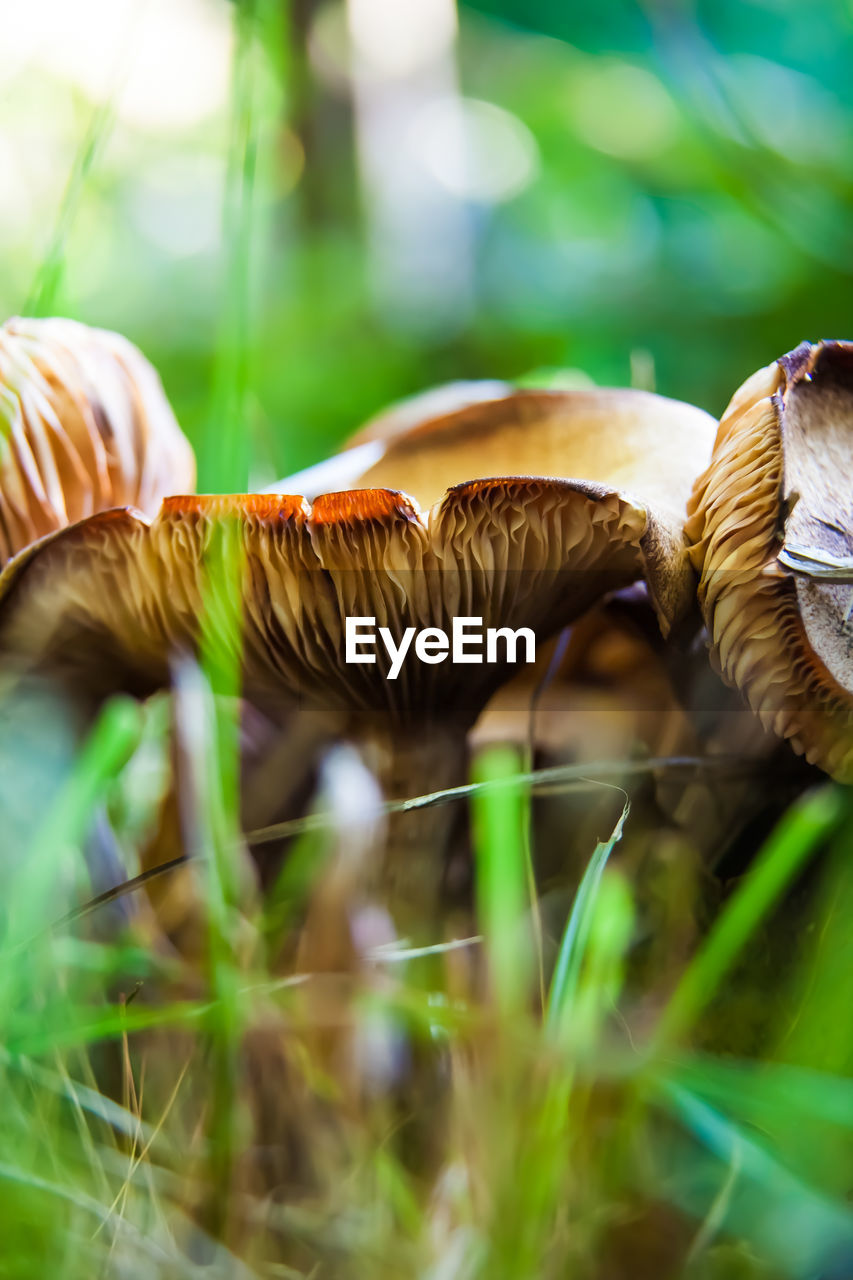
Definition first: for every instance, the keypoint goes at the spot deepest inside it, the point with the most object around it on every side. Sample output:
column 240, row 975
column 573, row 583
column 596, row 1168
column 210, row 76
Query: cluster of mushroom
column 523, row 509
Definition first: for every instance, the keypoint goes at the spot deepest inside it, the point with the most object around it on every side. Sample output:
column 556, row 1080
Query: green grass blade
column 819, row 1032
column 215, row 693
column 808, row 822
column 502, row 889
column 223, row 452
column 759, row 1092
column 47, row 284
column 573, row 947
column 107, row 748
column 769, row 1193
column 58, row 838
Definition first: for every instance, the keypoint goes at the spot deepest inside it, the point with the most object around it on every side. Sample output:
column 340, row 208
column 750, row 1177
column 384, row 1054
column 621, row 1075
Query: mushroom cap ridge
column 109, row 601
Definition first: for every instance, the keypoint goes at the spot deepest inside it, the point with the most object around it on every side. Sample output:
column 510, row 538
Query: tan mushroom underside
column 780, row 474
column 643, row 445
column 84, row 426
column 110, row 601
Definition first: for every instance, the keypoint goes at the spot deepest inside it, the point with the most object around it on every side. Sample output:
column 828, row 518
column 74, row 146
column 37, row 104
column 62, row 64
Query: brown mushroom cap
column 776, row 496
column 632, row 442
column 110, row 601
column 86, row 426
column 342, row 470
column 435, row 402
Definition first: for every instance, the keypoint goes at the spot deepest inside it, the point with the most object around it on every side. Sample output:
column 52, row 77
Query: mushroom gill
column 108, row 603
column 771, row 533
column 84, row 426
column 110, row 600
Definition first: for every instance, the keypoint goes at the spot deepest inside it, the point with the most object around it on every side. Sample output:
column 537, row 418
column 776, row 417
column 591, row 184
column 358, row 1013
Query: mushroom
column 532, row 549
column 86, row 427
column 642, row 443
column 107, row 603
column 771, row 536
column 112, row 598
column 367, row 446
column 629, row 441
column 435, row 402
column 602, row 692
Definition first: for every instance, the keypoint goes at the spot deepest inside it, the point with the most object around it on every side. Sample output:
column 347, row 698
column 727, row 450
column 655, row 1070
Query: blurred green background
column 303, row 211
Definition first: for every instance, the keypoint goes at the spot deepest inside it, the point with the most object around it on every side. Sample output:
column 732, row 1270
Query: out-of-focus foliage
column 649, row 191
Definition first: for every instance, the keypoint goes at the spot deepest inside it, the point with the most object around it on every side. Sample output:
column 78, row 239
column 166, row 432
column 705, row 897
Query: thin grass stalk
column 223, row 454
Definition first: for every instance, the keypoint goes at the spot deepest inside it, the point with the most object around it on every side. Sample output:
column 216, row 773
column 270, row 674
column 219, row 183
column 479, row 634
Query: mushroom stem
column 409, row 871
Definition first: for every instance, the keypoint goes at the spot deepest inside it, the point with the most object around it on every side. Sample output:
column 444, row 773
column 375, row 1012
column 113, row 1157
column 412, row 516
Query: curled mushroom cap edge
column 771, row 536
column 514, row 551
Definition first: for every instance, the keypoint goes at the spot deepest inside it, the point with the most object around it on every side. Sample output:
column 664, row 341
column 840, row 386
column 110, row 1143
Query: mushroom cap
column 776, row 497
column 435, row 402
column 85, row 425
column 109, row 602
column 343, row 469
column 645, row 446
